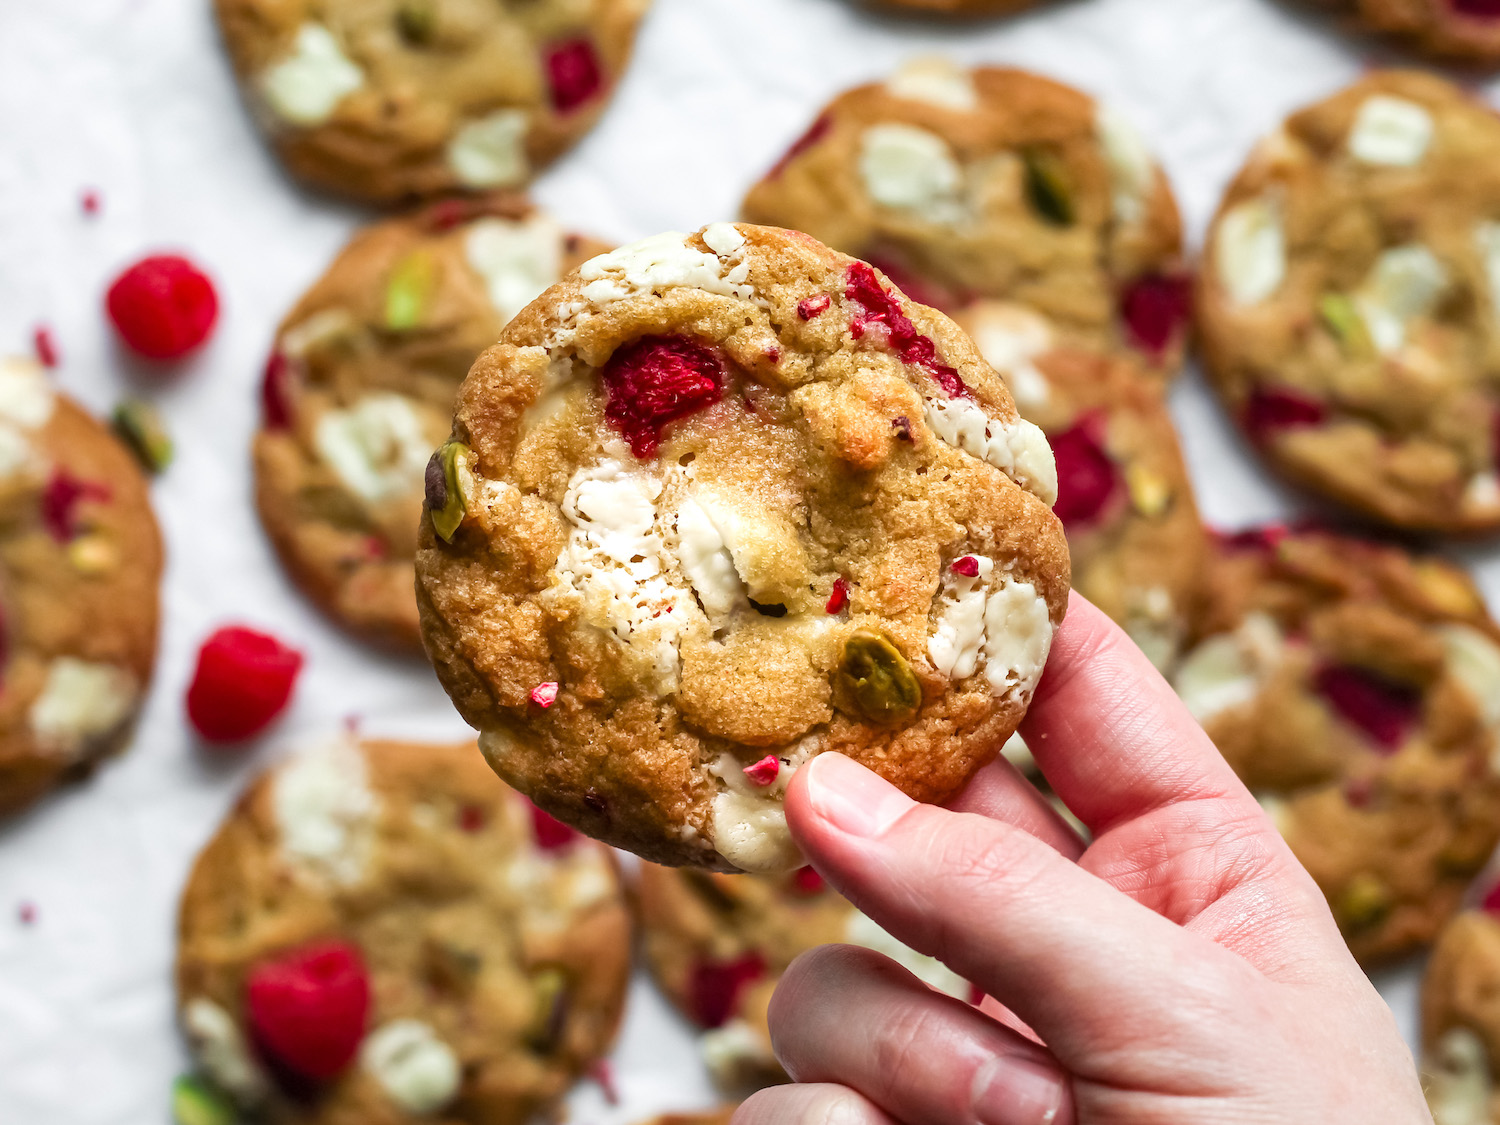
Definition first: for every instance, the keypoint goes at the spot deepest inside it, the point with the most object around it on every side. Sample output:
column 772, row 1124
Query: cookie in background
column 1461, row 31
column 1461, row 1019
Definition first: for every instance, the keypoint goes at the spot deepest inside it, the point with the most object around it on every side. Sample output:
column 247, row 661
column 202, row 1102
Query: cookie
column 80, row 570
column 960, row 7
column 721, row 1117
column 381, row 932
column 1461, row 1021
column 721, row 502
column 1454, row 30
column 360, row 387
column 1123, row 492
column 717, row 944
column 384, row 100
column 1350, row 308
column 1355, row 688
column 995, row 184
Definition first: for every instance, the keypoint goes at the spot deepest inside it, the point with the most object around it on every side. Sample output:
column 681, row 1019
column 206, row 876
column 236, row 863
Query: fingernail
column 853, row 799
column 1016, row 1090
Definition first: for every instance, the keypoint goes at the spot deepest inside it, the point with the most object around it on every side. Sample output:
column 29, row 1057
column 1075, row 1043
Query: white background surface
column 133, row 98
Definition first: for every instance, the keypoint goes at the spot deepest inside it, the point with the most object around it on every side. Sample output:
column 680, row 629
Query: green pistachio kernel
column 1047, row 186
column 545, row 1029
column 408, row 291
column 1364, row 903
column 883, row 685
column 1343, row 319
column 416, row 20
column 194, row 1102
column 448, row 484
column 141, row 428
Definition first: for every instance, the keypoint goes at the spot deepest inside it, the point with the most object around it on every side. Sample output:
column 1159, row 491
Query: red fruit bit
column 902, row 426
column 243, row 681
column 976, row 995
column 1086, row 477
column 1477, row 9
column 91, row 202
column 1359, row 792
column 1381, row 707
column 658, row 380
column 545, row 695
column 863, row 287
column 806, row 881
column 603, row 1075
column 968, row 566
column 815, row 133
column 918, row 288
column 814, row 306
column 573, row 70
column 765, row 771
column 1490, row 903
column 308, row 1009
column 1269, row 411
column 551, row 834
column 60, row 501
column 840, row 596
column 276, row 393
column 26, row 913
column 1155, row 309
column 715, row 988
column 46, row 347
column 1267, row 539
column 471, row 818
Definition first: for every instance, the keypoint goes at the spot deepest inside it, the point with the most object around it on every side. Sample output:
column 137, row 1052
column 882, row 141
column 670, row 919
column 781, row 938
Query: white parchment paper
column 133, row 98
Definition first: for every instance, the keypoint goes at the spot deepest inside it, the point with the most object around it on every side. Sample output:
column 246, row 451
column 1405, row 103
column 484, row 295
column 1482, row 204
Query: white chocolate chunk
column 956, row 644
column 491, row 152
column 306, row 87
column 16, row 451
column 707, row 561
column 1017, row 638
column 911, row 169
column 326, row 811
column 755, row 537
column 1474, row 661
column 863, row 931
column 1011, row 338
column 1228, row 670
column 26, row 397
column 1132, row 168
column 1487, row 242
column 1018, row 450
column 222, row 1052
column 1391, row 132
column 1250, row 252
column 666, row 261
column 1482, row 493
column 1459, row 1083
column 377, row 447
column 749, row 821
column 733, row 1051
column 724, row 239
column 1406, row 284
column 1017, row 753
column 935, row 80
column 81, row 702
column 416, row 1069
column 517, row 260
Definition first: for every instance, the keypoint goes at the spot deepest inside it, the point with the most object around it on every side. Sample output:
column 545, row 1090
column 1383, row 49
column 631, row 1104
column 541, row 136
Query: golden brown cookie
column 995, row 184
column 80, row 568
column 960, row 7
column 381, row 932
column 1461, row 1021
column 720, row 1117
column 1356, row 690
column 1123, row 492
column 717, row 945
column 360, row 387
column 383, row 100
column 721, row 502
column 1454, row 30
column 1350, row 305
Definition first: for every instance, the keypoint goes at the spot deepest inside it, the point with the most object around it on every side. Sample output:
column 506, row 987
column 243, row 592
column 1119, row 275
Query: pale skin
column 1181, row 970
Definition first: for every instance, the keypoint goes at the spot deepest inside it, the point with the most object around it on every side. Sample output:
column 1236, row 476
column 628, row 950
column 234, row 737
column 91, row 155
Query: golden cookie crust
column 463, row 922
column 1435, row 28
column 720, row 1117
column 821, row 462
column 960, row 7
column 1461, row 1020
column 404, row 310
column 1001, row 136
column 1353, row 688
column 1349, row 306
column 79, row 589
column 379, row 94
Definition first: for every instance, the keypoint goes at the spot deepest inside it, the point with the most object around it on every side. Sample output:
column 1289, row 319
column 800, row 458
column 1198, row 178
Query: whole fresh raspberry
column 308, row 1008
column 244, row 680
column 573, row 70
column 716, row 986
column 658, row 380
column 163, row 306
column 1155, row 310
column 1086, row 476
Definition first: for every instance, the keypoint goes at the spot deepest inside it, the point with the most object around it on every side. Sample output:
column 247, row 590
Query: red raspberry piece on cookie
column 1383, row 708
column 243, row 681
column 807, row 881
column 715, row 988
column 863, row 287
column 163, row 306
column 60, row 500
column 815, row 133
column 573, row 71
column 839, row 598
column 276, row 392
column 1490, row 904
column 1477, row 9
column 1155, row 310
column 1269, row 411
column 1086, row 476
column 658, row 380
column 551, row 834
column 308, row 1009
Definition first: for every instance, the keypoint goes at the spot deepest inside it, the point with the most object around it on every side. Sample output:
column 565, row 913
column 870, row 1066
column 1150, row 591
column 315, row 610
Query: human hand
column 1181, row 970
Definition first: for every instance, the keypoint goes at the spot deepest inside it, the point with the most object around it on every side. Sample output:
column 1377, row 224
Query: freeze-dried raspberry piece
column 716, row 987
column 1490, row 904
column 276, row 392
column 551, row 834
column 45, row 346
column 573, row 71
column 1155, row 310
column 807, row 881
column 864, row 288
column 1269, row 411
column 243, row 681
column 60, row 500
column 1086, row 476
column 765, row 771
column 839, row 598
column 1383, row 708
column 163, row 306
column 1477, row 9
column 814, row 306
column 658, row 380
column 1266, row 538
column 815, row 133
column 968, row 566
column 308, row 1009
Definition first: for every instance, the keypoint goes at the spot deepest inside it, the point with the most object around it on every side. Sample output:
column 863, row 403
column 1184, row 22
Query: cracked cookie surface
column 491, row 943
column 384, row 100
column 1355, row 688
column 80, row 574
column 1350, row 305
column 719, row 503
column 360, row 386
